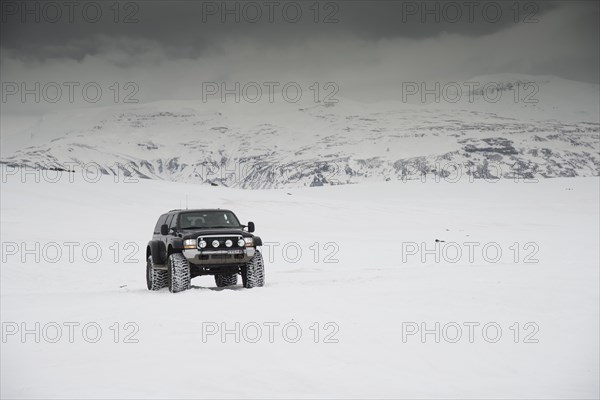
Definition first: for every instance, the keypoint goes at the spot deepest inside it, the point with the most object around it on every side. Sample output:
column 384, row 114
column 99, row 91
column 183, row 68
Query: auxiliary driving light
column 228, row 243
column 215, row 243
column 202, row 244
column 241, row 242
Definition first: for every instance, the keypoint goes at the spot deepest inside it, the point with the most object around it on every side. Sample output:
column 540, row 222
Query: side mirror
column 250, row 226
column 164, row 229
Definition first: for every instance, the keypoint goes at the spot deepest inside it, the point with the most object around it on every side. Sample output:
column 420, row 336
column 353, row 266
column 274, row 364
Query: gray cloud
column 369, row 52
column 187, row 28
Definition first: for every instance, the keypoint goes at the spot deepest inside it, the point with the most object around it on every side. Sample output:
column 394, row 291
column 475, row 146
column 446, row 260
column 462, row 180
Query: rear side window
column 160, row 222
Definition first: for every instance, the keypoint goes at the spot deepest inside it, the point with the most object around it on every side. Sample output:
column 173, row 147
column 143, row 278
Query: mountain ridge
column 257, row 146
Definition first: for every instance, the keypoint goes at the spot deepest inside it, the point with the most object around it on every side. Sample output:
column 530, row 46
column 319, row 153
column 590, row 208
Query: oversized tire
column 156, row 279
column 253, row 273
column 223, row 280
column 178, row 269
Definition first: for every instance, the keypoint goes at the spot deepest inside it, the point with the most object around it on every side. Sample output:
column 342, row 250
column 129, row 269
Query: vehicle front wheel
column 223, row 280
column 156, row 279
column 179, row 273
column 253, row 273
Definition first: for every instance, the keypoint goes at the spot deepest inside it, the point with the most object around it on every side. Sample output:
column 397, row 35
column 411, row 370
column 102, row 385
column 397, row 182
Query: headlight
column 189, row 244
column 241, row 242
column 202, row 244
column 249, row 241
column 215, row 243
column 228, row 243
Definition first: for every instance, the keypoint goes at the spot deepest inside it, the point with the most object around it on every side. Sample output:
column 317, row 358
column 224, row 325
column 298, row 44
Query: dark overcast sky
column 188, row 28
column 374, row 44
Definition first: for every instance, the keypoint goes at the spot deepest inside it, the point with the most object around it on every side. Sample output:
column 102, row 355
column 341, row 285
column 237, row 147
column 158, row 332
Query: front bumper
column 219, row 257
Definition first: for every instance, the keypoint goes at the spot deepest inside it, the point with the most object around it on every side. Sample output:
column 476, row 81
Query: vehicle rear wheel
column 223, row 280
column 179, row 273
column 253, row 273
column 156, row 279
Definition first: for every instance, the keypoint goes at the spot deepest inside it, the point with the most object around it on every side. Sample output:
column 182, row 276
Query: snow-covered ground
column 357, row 295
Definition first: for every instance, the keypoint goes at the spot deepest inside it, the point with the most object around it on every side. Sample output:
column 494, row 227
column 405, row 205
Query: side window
column 160, row 222
column 173, row 222
column 169, row 219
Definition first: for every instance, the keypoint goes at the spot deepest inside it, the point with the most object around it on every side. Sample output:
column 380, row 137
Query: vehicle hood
column 203, row 232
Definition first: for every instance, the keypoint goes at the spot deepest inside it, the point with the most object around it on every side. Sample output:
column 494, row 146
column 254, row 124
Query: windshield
column 208, row 219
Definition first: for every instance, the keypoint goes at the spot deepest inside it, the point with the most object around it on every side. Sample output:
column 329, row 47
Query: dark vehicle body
column 205, row 242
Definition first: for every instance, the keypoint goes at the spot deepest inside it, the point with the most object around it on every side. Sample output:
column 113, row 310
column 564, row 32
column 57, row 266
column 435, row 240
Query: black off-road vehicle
column 189, row 243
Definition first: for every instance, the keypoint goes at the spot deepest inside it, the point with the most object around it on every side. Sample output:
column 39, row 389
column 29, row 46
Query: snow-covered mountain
column 537, row 127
